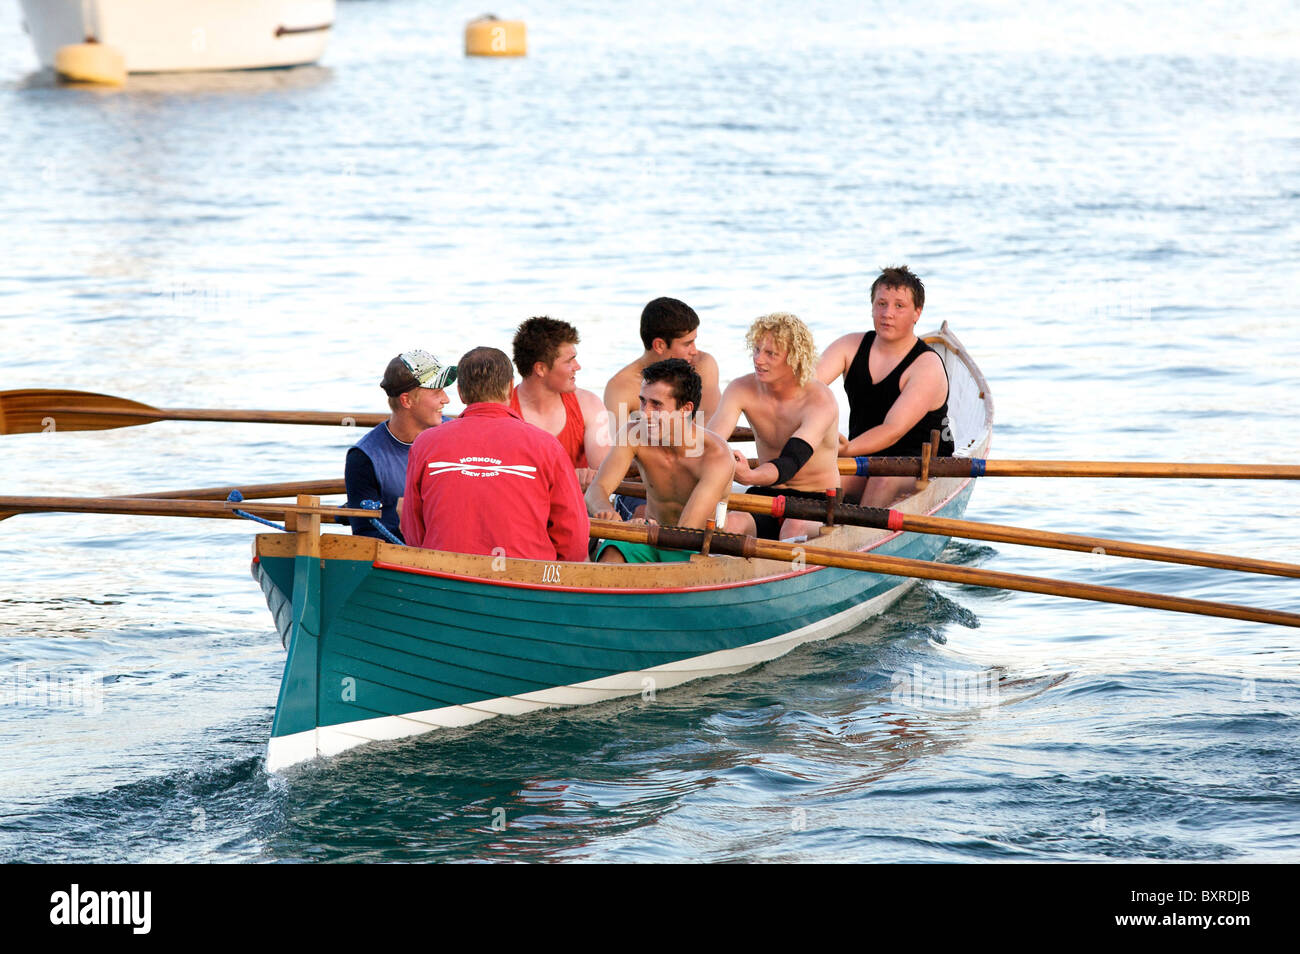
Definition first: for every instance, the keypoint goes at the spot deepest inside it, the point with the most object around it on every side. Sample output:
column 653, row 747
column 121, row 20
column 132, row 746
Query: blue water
column 1102, row 200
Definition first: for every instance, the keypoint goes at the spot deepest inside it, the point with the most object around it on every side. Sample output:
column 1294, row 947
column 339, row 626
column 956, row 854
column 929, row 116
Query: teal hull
column 382, row 653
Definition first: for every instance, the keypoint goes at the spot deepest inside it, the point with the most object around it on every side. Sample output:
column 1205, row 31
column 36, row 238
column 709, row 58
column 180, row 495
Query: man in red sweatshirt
column 490, row 483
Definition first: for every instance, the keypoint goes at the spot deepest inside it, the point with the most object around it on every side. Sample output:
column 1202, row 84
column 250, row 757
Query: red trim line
column 708, row 587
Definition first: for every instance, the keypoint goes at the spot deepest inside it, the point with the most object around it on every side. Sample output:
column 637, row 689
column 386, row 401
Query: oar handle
column 980, row 467
column 678, row 538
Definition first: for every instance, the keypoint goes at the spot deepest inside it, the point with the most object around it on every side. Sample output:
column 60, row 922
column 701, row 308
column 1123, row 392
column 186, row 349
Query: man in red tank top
column 548, row 396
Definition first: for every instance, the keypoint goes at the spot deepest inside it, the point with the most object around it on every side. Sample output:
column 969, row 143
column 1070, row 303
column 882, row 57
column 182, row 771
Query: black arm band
column 794, row 455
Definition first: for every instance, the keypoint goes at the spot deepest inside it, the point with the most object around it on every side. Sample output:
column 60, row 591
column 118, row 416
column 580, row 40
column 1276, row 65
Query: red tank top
column 572, row 435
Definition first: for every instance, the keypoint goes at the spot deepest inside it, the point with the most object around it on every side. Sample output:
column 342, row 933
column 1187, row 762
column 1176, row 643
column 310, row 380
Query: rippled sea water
column 1102, row 200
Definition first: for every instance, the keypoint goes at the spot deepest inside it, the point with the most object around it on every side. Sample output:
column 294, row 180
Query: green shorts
column 644, row 553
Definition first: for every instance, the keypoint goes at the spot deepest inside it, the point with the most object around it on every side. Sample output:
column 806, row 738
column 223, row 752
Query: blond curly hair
column 790, row 333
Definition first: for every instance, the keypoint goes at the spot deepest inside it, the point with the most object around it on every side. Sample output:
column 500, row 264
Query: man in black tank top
column 896, row 384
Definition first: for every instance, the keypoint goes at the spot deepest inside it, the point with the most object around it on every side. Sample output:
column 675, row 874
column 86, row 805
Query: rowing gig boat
column 387, row 641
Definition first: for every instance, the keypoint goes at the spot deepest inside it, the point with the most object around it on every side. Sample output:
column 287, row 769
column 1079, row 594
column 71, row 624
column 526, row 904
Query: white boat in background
column 166, row 36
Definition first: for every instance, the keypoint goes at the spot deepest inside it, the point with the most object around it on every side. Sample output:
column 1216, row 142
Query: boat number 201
column 551, row 573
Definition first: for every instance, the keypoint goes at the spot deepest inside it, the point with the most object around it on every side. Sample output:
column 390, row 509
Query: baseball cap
column 416, row 369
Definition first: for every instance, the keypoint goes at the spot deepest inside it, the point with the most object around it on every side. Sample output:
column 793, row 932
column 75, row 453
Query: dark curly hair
column 681, row 377
column 667, row 318
column 539, row 339
column 900, row 276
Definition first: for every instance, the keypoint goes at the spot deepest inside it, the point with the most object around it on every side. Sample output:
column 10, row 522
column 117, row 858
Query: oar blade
column 43, row 410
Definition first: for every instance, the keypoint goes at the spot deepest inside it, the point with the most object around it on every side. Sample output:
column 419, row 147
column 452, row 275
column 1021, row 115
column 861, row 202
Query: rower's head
column 782, row 346
column 897, row 297
column 484, row 376
column 671, row 386
column 547, row 349
column 416, row 382
column 669, row 328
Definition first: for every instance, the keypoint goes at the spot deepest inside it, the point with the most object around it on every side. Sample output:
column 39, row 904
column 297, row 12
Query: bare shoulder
column 818, row 396
column 818, row 392
column 835, row 360
column 927, row 366
column 707, row 366
column 620, row 379
column 850, row 342
column 715, row 448
column 744, row 386
column 591, row 405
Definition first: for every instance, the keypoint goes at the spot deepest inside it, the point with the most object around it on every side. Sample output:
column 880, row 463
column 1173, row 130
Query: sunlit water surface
column 1102, row 199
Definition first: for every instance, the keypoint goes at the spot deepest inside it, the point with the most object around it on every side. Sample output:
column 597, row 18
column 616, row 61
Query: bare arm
column 618, row 393
column 711, row 395
column 925, row 388
column 836, row 359
column 612, row 471
column 724, row 419
column 597, row 436
column 714, row 484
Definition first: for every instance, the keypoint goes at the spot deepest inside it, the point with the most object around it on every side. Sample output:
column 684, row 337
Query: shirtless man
column 668, row 330
column 686, row 469
column 546, row 356
column 896, row 384
column 795, row 420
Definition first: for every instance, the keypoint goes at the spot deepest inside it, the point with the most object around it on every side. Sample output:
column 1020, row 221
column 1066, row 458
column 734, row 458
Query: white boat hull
column 166, row 36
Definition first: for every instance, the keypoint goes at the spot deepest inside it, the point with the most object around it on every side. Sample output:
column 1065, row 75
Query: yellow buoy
column 91, row 63
column 488, row 36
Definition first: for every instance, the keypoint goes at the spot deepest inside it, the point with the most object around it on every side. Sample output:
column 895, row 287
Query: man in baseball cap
column 415, row 382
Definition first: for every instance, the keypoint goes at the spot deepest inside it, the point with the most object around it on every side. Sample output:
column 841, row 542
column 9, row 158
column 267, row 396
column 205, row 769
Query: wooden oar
column 978, row 467
column 249, row 492
column 800, row 508
column 676, row 538
column 39, row 410
column 168, row 508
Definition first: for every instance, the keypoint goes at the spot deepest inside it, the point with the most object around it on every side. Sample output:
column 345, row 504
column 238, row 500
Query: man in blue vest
column 415, row 382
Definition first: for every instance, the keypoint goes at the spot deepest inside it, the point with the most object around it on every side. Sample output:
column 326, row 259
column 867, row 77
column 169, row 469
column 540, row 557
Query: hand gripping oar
column 677, row 538
column 979, row 467
column 39, row 410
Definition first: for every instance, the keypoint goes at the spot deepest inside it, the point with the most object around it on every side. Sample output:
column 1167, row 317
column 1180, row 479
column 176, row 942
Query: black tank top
column 869, row 403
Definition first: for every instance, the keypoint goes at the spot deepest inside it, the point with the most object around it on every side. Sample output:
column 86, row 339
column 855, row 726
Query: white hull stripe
column 288, row 750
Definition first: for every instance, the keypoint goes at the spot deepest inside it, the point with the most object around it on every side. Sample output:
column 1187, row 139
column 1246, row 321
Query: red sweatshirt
column 489, row 480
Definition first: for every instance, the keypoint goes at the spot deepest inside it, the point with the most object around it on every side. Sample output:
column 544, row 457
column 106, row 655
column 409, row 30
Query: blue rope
column 387, row 534
column 236, row 497
column 864, row 466
column 977, row 466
